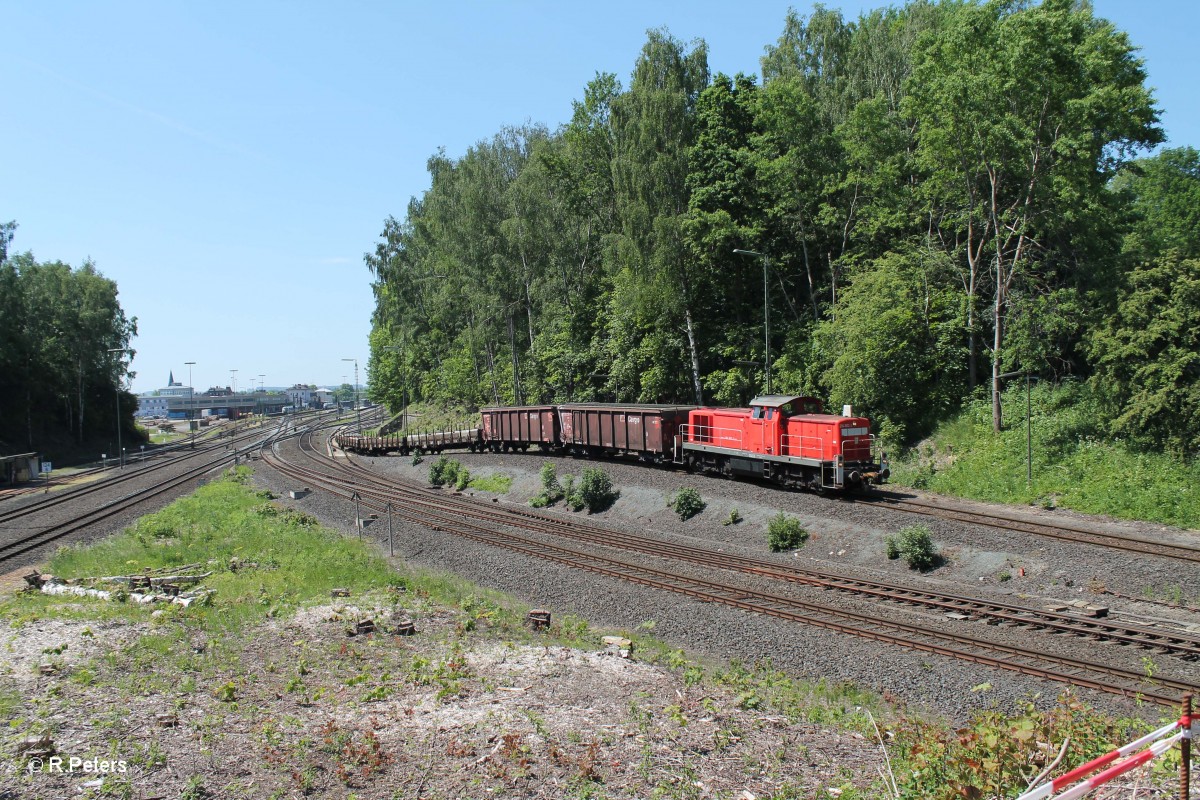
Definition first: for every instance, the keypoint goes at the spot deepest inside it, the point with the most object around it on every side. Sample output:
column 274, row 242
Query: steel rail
column 1175, row 642
column 1072, row 533
column 867, row 626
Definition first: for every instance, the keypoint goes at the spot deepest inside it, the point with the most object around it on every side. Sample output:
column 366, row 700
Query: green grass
column 497, row 483
column 297, row 560
column 1073, row 465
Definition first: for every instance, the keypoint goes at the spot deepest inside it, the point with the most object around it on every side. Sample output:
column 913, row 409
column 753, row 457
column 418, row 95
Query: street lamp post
column 357, row 411
column 191, row 391
column 120, row 449
column 403, row 389
column 766, row 315
column 1028, row 423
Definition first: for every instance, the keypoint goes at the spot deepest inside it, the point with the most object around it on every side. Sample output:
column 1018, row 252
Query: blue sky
column 228, row 164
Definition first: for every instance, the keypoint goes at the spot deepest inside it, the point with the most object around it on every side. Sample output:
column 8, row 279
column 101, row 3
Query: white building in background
column 300, row 396
column 156, row 403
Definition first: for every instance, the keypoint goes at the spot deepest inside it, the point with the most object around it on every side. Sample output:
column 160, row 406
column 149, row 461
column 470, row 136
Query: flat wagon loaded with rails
column 784, row 439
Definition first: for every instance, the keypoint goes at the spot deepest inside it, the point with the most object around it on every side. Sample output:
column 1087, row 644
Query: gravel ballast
column 848, row 537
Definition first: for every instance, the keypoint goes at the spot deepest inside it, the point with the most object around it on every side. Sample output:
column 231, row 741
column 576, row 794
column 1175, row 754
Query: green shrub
column 574, row 501
column 595, row 490
column 445, row 472
column 552, row 490
column 891, row 548
column 785, row 533
column 437, row 472
column 687, row 503
column 915, row 545
column 462, row 477
column 733, row 519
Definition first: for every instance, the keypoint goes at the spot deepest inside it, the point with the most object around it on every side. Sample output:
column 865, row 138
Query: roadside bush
column 785, row 533
column 595, row 490
column 733, row 519
column 915, row 545
column 687, row 503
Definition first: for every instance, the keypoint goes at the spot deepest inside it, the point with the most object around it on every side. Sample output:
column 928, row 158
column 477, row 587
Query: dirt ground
column 298, row 708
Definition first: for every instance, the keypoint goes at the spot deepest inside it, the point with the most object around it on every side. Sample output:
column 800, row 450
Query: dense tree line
column 58, row 378
column 941, row 195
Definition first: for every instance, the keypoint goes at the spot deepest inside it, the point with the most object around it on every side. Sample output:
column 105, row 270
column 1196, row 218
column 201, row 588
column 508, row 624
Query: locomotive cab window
column 756, row 412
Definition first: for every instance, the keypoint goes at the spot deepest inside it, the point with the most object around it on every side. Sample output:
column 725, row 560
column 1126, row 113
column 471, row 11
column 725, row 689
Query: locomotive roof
column 777, row 400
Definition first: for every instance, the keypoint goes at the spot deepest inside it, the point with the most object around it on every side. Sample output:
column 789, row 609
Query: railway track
column 117, row 477
column 479, row 523
column 30, row 536
column 1076, row 534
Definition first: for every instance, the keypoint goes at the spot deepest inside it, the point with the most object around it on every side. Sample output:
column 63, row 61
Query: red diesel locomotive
column 784, row 439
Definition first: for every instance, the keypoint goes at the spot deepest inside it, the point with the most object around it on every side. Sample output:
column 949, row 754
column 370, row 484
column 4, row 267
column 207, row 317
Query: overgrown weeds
column 1073, row 463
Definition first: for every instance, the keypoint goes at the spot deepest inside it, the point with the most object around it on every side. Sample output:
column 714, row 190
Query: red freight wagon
column 519, row 427
column 647, row 431
column 785, row 439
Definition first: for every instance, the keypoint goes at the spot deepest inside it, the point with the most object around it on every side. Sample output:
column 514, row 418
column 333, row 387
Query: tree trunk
column 812, row 291
column 80, row 390
column 998, row 338
column 518, row 392
column 492, row 370
column 691, row 334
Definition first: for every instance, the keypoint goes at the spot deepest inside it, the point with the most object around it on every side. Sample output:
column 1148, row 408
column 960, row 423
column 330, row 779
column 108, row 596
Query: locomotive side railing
column 708, row 434
column 801, row 446
column 873, row 447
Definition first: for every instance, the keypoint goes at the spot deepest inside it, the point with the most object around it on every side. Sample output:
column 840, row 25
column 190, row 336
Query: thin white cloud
column 161, row 119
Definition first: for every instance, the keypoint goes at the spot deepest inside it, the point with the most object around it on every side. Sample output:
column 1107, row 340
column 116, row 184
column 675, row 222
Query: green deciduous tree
column 1148, row 356
column 1023, row 114
column 1165, row 192
column 894, row 350
column 57, row 325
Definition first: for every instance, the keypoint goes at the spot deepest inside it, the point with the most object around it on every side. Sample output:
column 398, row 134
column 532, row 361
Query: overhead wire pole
column 357, row 410
column 1028, row 423
column 191, row 391
column 766, row 316
column 120, row 449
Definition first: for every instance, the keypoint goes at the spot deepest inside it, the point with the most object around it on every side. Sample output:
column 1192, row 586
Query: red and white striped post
column 1154, row 746
column 1185, row 750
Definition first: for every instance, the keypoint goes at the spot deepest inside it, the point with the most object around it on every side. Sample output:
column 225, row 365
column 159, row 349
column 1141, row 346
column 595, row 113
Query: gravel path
column 845, row 536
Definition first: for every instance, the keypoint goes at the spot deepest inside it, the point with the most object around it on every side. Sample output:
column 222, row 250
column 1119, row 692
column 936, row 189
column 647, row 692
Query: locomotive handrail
column 804, row 450
column 708, row 434
column 875, row 448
